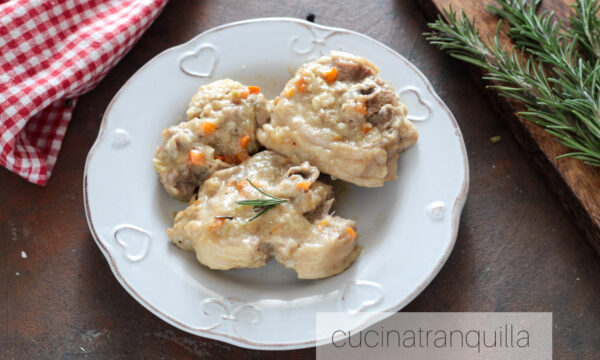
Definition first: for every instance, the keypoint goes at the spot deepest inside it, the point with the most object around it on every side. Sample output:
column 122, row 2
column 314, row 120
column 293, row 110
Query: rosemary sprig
column 261, row 206
column 585, row 26
column 559, row 86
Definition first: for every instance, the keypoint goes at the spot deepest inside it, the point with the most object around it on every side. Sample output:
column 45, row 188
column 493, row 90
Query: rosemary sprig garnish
column 261, row 206
column 558, row 78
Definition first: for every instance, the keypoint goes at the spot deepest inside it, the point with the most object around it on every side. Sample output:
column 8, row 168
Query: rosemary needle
column 261, row 206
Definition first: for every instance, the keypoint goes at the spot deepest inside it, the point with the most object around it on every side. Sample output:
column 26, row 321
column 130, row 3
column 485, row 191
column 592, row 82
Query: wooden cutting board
column 577, row 185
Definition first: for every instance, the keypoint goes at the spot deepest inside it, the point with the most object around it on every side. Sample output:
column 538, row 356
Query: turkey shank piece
column 340, row 116
column 298, row 233
column 219, row 133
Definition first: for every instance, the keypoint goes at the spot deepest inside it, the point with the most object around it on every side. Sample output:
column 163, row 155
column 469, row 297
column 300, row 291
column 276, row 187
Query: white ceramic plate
column 407, row 228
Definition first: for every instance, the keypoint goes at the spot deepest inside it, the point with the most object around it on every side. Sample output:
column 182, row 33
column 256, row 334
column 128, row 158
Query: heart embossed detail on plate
column 359, row 295
column 134, row 241
column 418, row 109
column 201, row 62
column 224, row 310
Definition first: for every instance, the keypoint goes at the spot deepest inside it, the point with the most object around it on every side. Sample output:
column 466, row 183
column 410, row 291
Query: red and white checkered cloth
column 52, row 51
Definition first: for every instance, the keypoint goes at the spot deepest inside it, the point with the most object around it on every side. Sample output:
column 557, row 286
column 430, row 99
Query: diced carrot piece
column 304, row 185
column 225, row 158
column 241, row 185
column 290, row 93
column 217, row 224
column 321, row 225
column 301, row 85
column 254, row 89
column 196, row 157
column 331, row 75
column 244, row 94
column 275, row 229
column 366, row 127
column 351, row 232
column 208, row 127
column 244, row 141
column 276, row 100
column 241, row 156
column 361, row 108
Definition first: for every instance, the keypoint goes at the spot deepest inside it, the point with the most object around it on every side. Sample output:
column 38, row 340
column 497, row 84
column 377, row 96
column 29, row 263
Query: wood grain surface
column 517, row 249
column 576, row 184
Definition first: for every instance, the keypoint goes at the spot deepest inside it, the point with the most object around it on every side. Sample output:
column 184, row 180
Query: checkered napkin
column 52, row 51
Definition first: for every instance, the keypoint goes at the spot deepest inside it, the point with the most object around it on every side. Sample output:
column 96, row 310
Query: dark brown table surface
column 517, row 250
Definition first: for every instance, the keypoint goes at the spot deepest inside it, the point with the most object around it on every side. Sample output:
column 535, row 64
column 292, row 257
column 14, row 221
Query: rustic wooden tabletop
column 517, row 250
